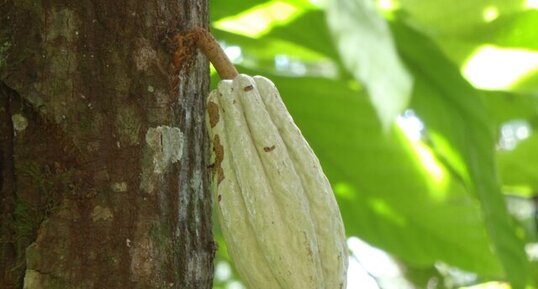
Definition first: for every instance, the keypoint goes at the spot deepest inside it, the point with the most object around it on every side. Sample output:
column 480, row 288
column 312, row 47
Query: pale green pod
column 326, row 215
column 287, row 192
column 229, row 203
column 277, row 211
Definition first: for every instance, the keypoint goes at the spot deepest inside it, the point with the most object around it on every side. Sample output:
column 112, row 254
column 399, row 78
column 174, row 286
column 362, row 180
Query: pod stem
column 202, row 39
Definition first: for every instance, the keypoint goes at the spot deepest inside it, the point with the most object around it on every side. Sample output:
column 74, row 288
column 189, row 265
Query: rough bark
column 103, row 173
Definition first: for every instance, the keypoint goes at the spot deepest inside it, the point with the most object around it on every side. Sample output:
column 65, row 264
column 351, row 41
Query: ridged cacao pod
column 276, row 208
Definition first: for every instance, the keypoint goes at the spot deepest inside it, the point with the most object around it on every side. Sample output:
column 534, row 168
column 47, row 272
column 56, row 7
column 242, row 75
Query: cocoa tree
column 103, row 173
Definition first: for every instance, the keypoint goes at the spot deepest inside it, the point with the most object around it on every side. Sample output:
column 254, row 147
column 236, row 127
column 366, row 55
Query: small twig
column 202, row 39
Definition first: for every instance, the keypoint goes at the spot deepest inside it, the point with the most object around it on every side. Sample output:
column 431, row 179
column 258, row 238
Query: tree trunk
column 103, row 173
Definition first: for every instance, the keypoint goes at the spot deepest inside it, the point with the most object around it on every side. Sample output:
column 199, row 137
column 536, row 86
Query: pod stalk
column 202, row 39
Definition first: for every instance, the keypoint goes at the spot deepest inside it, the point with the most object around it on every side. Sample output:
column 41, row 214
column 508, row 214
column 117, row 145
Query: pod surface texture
column 276, row 208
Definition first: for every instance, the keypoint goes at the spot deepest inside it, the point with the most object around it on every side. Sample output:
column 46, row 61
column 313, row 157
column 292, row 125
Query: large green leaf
column 461, row 133
column 364, row 40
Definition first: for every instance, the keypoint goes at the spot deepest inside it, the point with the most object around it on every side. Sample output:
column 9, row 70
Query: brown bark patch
column 213, row 111
column 219, row 156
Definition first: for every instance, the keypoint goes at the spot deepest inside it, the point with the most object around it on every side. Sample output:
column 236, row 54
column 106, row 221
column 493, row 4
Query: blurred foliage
column 429, row 194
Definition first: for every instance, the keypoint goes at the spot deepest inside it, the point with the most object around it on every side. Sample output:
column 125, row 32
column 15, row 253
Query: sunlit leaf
column 492, row 67
column 366, row 45
column 305, row 41
column 448, row 17
column 515, row 30
column 461, row 132
column 260, row 19
column 309, row 30
column 491, row 39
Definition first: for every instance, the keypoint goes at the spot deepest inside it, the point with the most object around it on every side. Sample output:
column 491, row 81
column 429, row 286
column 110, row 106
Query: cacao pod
column 276, row 208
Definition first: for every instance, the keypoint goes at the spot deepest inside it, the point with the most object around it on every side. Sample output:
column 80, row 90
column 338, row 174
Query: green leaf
column 505, row 106
column 260, row 19
column 261, row 53
column 497, row 36
column 309, row 31
column 519, row 166
column 365, row 42
column 306, row 39
column 517, row 30
column 220, row 9
column 447, row 18
column 460, row 132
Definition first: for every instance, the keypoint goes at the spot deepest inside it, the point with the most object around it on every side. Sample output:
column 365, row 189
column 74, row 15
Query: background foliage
column 426, row 152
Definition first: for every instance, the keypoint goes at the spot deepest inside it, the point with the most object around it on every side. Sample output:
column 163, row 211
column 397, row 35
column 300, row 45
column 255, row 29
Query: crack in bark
column 8, row 256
